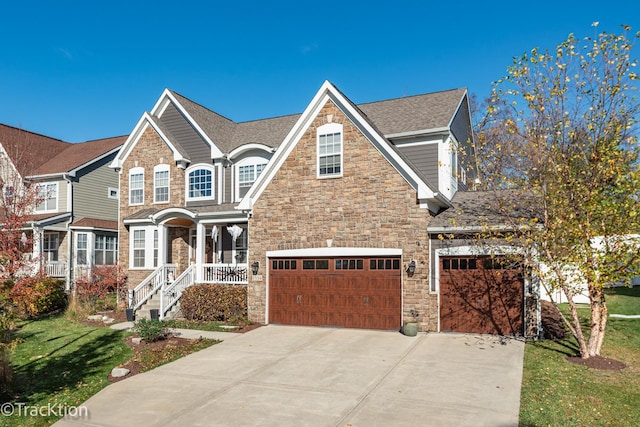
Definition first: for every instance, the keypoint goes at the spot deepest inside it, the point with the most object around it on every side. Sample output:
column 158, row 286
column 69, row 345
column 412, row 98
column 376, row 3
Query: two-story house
column 74, row 224
column 323, row 215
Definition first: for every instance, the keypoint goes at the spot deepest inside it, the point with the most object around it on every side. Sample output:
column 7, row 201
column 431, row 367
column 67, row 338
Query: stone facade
column 149, row 152
column 370, row 206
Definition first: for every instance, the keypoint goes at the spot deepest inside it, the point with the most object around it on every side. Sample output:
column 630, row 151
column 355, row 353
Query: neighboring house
column 74, row 225
column 323, row 215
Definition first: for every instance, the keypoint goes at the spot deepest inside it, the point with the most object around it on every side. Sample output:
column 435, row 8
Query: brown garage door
column 346, row 292
column 481, row 295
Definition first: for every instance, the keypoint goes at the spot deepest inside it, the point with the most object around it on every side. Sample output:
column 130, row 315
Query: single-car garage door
column 481, row 295
column 346, row 292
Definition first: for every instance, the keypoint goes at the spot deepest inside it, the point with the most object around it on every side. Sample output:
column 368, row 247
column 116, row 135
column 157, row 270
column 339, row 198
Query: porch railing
column 232, row 274
column 141, row 293
column 56, row 268
column 172, row 291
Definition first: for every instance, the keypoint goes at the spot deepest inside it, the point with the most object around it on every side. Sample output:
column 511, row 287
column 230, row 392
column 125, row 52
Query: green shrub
column 34, row 296
column 220, row 303
column 150, row 330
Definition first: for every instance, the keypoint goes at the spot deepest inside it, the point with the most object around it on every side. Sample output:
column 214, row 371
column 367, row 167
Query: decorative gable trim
column 145, row 121
column 161, row 106
column 427, row 196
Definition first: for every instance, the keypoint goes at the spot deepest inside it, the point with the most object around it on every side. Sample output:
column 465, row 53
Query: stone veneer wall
column 148, row 152
column 370, row 206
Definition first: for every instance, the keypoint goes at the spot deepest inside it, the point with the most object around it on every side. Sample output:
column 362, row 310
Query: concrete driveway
column 281, row 376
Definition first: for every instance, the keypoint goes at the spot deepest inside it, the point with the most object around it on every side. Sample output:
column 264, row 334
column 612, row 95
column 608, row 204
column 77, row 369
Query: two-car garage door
column 350, row 292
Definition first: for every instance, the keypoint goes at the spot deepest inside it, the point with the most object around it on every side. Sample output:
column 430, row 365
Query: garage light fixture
column 411, row 268
column 254, row 267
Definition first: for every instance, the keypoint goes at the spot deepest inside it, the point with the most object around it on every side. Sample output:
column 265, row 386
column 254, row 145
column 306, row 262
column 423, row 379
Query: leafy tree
column 560, row 132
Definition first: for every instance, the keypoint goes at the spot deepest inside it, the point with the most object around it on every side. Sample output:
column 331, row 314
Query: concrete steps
column 153, row 303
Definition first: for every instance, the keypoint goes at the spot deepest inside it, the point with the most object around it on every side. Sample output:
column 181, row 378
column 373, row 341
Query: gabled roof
column 426, row 112
column 29, row 150
column 426, row 193
column 418, row 114
column 478, row 210
column 76, row 156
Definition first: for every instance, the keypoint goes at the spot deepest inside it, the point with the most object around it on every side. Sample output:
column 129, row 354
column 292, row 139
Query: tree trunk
column 598, row 321
column 577, row 328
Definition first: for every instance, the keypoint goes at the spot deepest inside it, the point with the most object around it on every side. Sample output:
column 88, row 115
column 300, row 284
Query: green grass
column 59, row 361
column 556, row 392
column 202, row 325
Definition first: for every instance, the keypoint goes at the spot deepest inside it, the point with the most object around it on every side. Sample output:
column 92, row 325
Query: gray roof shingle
column 406, row 114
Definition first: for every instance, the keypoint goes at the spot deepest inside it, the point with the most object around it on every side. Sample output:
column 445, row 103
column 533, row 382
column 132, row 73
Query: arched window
column 200, row 182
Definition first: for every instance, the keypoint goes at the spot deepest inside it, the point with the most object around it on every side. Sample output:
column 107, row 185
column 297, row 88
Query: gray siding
column 90, row 192
column 461, row 129
column 228, row 184
column 196, row 147
column 425, row 158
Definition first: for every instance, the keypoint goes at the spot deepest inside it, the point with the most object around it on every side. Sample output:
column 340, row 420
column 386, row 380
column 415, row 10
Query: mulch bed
column 118, row 316
column 598, row 362
column 158, row 347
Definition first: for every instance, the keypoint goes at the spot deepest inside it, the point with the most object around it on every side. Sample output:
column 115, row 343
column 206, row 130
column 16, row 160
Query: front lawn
column 62, row 362
column 559, row 393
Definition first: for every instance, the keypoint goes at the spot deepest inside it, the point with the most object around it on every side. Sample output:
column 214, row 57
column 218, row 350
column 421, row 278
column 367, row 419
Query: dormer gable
column 426, row 194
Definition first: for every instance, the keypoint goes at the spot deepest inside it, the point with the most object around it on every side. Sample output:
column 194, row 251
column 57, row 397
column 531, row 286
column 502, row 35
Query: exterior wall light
column 254, row 267
column 411, row 269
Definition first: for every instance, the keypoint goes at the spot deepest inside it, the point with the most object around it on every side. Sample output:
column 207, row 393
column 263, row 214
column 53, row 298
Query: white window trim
column 325, row 129
column 57, row 198
column 194, row 168
column 136, row 171
column 235, row 248
column 148, row 246
column 113, row 193
column 86, row 249
column 162, row 168
column 254, row 161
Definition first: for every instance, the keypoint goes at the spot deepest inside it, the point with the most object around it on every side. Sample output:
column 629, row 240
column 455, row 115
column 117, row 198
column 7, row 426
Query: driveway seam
column 364, row 396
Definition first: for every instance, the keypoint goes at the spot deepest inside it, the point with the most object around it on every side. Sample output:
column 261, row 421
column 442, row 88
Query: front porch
column 164, row 284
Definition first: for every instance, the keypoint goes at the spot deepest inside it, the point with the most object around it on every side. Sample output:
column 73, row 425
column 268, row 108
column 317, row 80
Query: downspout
column 68, row 227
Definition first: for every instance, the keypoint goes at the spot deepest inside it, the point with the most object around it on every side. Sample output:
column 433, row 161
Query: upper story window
column 161, row 184
column 330, row 150
column 200, row 182
column 136, row 186
column 47, row 197
column 247, row 175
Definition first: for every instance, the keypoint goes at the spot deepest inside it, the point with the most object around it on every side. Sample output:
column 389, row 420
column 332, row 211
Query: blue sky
column 79, row 71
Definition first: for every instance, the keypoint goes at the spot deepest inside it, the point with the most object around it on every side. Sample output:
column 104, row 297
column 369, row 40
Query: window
column 48, row 197
column 284, row 264
column 247, row 175
column 241, row 245
column 81, row 249
column 330, row 150
column 50, row 245
column 106, row 249
column 138, row 248
column 143, row 247
column 155, row 248
column 200, row 183
column 136, row 186
column 384, row 264
column 161, row 184
column 315, row 264
column 112, row 193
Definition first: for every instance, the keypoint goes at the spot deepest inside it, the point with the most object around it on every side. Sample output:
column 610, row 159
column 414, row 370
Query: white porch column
column 162, row 244
column 36, row 242
column 201, row 234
